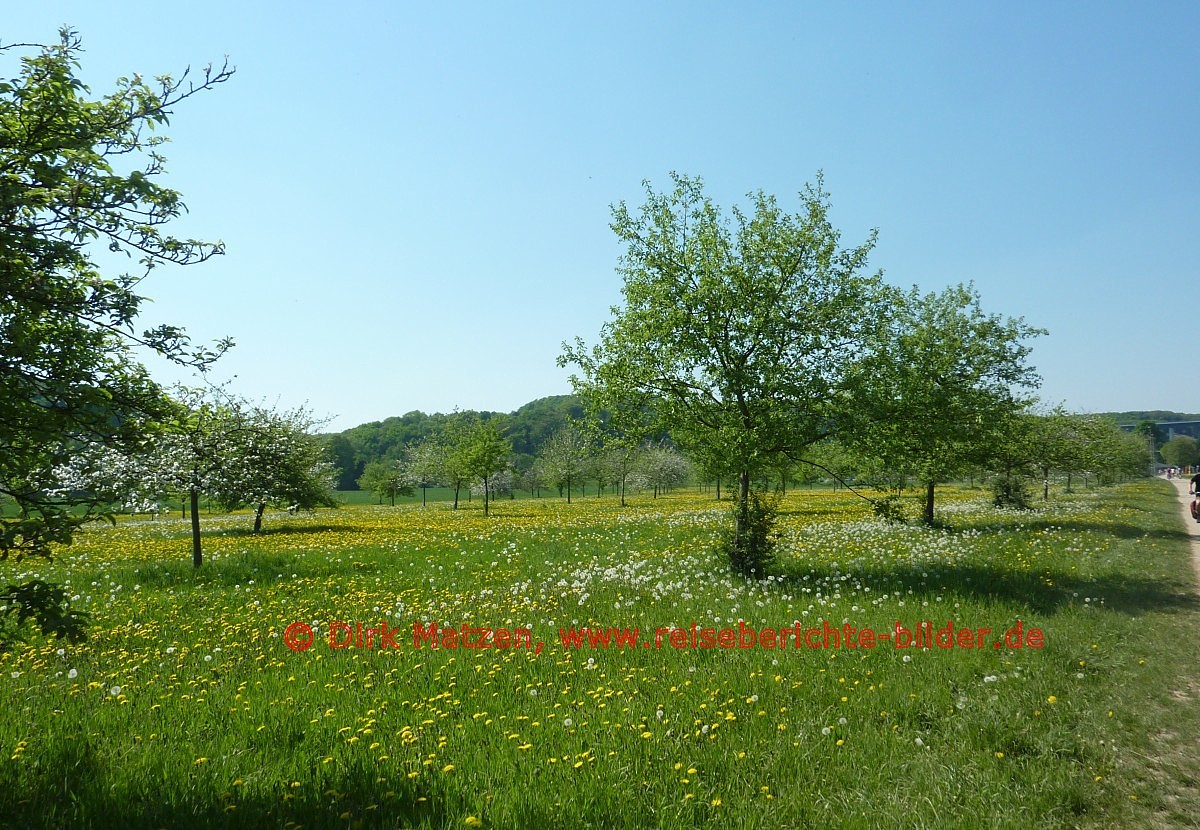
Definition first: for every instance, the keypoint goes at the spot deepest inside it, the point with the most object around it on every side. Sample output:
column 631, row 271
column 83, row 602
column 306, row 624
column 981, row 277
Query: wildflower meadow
column 189, row 705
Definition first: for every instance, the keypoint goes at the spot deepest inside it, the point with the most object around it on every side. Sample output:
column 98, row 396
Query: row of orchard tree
column 476, row 456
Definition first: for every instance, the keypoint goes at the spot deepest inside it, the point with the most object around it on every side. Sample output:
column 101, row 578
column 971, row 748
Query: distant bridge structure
column 1173, row 428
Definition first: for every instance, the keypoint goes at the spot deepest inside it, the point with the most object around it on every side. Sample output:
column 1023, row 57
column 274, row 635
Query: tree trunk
column 928, row 517
column 197, row 555
column 258, row 517
column 422, row 496
column 456, row 489
column 718, row 488
column 622, row 491
column 568, row 489
column 1045, row 484
column 743, row 507
column 485, row 496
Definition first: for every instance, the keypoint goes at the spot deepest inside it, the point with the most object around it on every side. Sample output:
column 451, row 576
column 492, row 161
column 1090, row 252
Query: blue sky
column 415, row 198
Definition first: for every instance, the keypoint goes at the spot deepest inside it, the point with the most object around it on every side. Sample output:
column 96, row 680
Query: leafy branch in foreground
column 78, row 176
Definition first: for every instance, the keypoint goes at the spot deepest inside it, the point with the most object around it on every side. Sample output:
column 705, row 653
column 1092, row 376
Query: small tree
column 620, row 458
column 483, row 455
column 186, row 455
column 386, row 479
column 273, row 459
column 456, row 460
column 1123, row 453
column 191, row 454
column 661, row 468
column 564, row 457
column 426, row 464
column 533, row 478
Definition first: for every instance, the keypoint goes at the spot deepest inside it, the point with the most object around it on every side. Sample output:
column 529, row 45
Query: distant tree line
column 527, row 429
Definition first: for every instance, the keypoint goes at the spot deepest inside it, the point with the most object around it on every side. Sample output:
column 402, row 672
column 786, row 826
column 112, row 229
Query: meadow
column 187, row 707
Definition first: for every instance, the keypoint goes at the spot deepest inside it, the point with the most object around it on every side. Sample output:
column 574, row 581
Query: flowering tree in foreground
column 272, row 459
column 236, row 454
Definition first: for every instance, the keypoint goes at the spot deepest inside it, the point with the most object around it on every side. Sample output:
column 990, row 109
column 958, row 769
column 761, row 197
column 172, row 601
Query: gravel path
column 1192, row 526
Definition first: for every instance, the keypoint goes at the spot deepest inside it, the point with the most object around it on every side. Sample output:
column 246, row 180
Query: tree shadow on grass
column 287, row 530
column 75, row 788
column 1042, row 593
column 1120, row 530
column 229, row 569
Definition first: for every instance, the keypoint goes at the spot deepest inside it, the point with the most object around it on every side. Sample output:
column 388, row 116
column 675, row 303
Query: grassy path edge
column 1191, row 525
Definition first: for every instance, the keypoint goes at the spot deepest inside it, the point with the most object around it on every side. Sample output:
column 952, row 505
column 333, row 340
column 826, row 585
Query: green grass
column 216, row 723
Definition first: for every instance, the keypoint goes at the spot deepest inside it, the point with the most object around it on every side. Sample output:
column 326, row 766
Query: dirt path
column 1192, row 526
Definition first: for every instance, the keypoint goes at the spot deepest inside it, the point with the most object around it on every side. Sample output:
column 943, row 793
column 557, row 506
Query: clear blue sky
column 415, row 198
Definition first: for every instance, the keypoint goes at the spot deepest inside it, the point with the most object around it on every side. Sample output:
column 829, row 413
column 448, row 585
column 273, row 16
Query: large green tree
column 741, row 329
column 79, row 173
column 952, row 380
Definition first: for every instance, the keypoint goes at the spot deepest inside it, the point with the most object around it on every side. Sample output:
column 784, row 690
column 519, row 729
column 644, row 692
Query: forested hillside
column 1156, row 415
column 527, row 428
